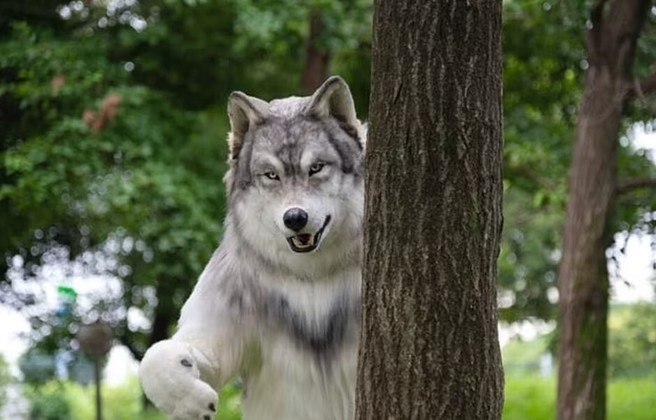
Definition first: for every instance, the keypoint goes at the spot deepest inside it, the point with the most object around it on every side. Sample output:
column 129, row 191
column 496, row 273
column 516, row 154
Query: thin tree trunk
column 317, row 60
column 583, row 277
column 429, row 346
column 97, row 371
column 166, row 312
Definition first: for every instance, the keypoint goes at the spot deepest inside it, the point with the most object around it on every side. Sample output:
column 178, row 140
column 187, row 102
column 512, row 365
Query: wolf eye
column 316, row 167
column 272, row 175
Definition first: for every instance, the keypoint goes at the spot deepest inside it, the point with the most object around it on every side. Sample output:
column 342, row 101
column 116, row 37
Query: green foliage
column 543, row 49
column 5, row 380
column 632, row 340
column 197, row 52
column 36, row 117
column 137, row 179
column 48, row 402
column 148, row 180
column 544, row 63
column 523, row 357
column 529, row 256
column 187, row 52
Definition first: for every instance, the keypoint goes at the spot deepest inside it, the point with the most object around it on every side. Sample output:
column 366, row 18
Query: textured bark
column 317, row 60
column 429, row 346
column 583, row 277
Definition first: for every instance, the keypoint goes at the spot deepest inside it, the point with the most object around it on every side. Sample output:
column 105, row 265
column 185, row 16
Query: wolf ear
column 333, row 99
column 244, row 112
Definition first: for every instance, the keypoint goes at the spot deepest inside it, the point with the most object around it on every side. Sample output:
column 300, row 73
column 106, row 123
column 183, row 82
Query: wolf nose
column 295, row 219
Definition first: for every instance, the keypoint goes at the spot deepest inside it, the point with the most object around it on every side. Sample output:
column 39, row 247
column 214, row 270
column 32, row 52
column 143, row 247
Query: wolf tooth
column 278, row 303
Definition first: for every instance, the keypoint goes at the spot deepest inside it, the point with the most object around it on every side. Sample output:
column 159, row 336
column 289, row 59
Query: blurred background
column 112, row 153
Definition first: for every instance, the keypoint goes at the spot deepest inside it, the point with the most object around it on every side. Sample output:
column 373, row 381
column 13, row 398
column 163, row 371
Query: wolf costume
column 278, row 304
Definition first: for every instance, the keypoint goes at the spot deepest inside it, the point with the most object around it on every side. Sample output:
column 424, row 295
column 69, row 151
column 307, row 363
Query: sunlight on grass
column 534, row 398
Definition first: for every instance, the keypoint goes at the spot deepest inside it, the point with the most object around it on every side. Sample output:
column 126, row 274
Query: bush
column 48, row 402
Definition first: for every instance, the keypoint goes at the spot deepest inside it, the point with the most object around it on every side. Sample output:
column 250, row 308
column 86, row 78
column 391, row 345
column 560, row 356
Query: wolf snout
column 295, row 219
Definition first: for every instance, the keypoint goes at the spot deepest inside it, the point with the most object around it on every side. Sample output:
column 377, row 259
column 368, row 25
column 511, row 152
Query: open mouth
column 306, row 242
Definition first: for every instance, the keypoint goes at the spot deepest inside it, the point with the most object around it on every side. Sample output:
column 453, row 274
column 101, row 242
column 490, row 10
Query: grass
column 527, row 397
column 124, row 403
column 633, row 399
column 534, row 398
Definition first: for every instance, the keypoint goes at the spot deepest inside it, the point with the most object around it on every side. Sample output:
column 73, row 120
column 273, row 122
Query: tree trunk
column 317, row 60
column 161, row 325
column 583, row 277
column 429, row 346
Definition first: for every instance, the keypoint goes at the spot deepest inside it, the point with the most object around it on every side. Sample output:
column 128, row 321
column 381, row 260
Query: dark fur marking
column 286, row 155
column 321, row 339
column 236, row 301
column 352, row 132
column 345, row 155
column 243, row 179
column 348, row 129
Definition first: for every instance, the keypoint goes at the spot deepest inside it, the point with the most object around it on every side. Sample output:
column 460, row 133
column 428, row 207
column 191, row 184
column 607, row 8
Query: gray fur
column 285, row 126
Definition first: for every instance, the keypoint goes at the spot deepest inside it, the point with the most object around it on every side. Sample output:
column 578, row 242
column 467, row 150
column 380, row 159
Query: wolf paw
column 171, row 380
column 199, row 403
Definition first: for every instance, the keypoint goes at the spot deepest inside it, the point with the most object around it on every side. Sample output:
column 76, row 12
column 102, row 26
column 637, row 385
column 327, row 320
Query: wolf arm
column 181, row 375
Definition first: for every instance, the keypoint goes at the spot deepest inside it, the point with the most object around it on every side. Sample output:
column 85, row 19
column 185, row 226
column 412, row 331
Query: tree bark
column 317, row 60
column 429, row 345
column 583, row 276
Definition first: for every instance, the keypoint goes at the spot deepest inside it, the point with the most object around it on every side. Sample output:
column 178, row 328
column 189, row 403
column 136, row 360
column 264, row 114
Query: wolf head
column 295, row 183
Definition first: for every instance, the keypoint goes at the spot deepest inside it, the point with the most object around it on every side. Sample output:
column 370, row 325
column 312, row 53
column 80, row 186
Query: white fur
column 289, row 385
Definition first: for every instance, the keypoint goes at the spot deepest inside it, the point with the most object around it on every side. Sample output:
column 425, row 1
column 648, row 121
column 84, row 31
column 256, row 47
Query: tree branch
column 635, row 184
column 641, row 88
